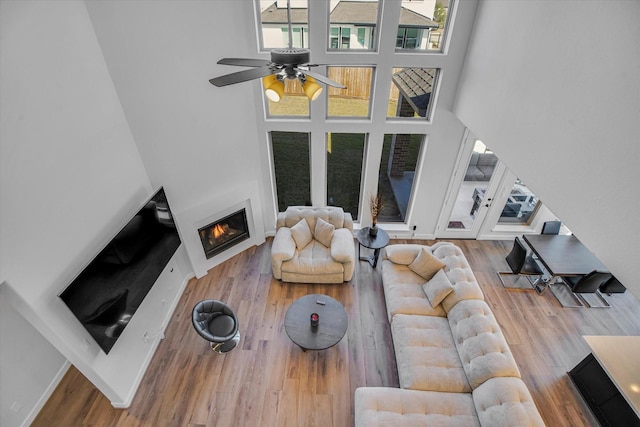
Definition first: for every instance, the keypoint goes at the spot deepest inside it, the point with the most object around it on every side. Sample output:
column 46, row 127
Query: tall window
column 274, row 23
column 412, row 92
column 350, row 143
column 345, row 153
column 355, row 100
column 423, row 25
column 291, row 166
column 400, row 156
column 352, row 24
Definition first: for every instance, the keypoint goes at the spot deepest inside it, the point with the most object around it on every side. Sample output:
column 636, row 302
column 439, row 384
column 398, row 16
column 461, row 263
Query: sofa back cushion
column 331, row 214
column 482, row 348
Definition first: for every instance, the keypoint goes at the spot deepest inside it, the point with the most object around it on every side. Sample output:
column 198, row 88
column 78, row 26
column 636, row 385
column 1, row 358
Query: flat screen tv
column 108, row 291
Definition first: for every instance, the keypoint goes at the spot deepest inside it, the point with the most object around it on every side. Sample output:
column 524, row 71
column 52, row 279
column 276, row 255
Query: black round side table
column 377, row 242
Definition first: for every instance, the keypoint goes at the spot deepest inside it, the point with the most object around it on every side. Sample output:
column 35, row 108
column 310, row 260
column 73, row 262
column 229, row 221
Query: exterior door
column 471, row 192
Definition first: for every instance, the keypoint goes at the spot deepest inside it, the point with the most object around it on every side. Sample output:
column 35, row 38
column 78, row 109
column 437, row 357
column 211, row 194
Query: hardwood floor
column 269, row 381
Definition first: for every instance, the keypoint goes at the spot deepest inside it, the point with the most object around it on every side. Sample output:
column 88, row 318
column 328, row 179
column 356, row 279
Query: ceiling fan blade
column 244, row 62
column 325, row 80
column 240, row 76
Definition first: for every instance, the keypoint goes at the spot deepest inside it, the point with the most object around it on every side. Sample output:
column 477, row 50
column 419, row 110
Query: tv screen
column 105, row 295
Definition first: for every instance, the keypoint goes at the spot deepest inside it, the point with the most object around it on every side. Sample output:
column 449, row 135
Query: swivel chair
column 215, row 322
column 521, row 265
column 590, row 283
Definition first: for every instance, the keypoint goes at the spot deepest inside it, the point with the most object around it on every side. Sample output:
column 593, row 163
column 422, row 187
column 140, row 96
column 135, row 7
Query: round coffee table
column 331, row 327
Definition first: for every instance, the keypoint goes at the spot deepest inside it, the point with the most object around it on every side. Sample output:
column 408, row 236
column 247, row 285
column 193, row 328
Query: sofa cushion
column 403, row 292
column 482, row 348
column 315, row 258
column 331, row 214
column 391, row 407
column 425, row 264
column 324, row 232
column 426, row 354
column 437, row 288
column 465, row 285
column 301, row 234
column 403, row 254
column 506, row 402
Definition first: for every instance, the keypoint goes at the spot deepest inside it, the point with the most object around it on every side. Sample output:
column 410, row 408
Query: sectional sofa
column 454, row 365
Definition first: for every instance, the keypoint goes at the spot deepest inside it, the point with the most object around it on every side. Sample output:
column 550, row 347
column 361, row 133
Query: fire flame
column 217, row 231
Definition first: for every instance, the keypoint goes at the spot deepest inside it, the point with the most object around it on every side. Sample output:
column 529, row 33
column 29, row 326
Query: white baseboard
column 46, row 395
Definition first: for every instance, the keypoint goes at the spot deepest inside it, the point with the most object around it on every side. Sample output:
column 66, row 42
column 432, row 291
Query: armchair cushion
column 437, row 288
column 324, row 232
column 301, row 234
column 426, row 265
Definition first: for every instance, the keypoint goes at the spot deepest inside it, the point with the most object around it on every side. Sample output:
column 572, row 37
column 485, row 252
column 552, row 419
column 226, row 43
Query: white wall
column 194, row 138
column 70, row 175
column 553, row 89
column 23, row 346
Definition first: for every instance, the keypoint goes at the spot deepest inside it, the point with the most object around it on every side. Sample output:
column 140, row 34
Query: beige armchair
column 313, row 245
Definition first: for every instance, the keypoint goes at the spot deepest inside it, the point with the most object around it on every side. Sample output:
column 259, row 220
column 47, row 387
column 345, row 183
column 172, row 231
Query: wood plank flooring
column 269, row 381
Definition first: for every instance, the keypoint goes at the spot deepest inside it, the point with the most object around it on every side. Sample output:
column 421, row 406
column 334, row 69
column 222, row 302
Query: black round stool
column 215, row 322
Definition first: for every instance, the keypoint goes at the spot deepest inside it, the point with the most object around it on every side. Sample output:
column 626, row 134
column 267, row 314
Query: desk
column 609, row 379
column 377, row 242
column 562, row 256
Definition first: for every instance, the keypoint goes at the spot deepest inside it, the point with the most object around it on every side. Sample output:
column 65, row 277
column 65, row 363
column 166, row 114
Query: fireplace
column 224, row 233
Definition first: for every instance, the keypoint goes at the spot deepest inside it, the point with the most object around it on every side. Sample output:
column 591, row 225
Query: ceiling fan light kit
column 273, row 87
column 311, row 88
column 286, row 63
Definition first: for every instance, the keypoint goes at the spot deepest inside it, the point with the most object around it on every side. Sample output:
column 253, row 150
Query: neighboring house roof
column 415, row 85
column 360, row 13
column 273, row 15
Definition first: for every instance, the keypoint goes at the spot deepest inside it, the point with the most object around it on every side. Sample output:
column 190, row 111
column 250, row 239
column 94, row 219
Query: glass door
column 466, row 208
column 486, row 200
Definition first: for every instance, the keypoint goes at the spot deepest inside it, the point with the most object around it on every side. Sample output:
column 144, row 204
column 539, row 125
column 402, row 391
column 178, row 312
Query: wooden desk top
column 620, row 358
column 564, row 255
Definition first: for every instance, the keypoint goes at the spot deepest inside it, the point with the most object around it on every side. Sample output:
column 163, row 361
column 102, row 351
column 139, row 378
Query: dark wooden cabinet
column 602, row 395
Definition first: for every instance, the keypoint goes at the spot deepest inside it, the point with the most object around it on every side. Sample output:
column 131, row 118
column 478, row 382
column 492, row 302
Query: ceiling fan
column 286, row 63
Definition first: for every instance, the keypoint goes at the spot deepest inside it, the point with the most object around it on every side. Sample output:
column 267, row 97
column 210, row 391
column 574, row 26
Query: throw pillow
column 425, row 264
column 437, row 288
column 301, row 234
column 324, row 232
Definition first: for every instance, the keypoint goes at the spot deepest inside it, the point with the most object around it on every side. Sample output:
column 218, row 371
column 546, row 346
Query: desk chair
column 521, row 265
column 551, row 227
column 612, row 286
column 588, row 284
